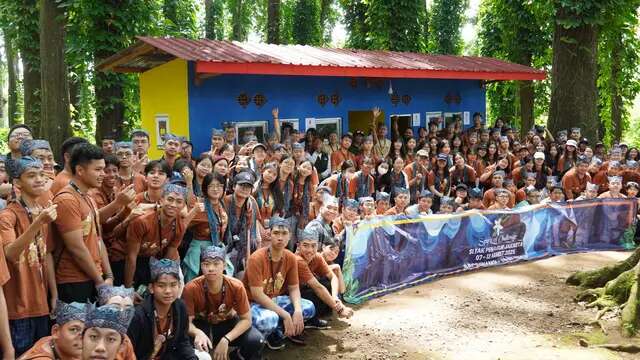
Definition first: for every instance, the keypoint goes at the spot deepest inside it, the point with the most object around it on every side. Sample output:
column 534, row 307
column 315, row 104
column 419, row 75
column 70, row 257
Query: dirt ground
column 522, row 312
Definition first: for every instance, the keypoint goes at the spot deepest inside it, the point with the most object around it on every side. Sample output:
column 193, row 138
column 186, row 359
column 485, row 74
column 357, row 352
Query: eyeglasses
column 216, row 186
column 21, row 135
column 124, row 154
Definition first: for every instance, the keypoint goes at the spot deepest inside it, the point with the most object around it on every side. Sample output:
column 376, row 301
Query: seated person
column 65, row 342
column 123, row 297
column 219, row 311
column 317, row 280
column 423, row 207
column 105, row 330
column 160, row 324
column 382, row 202
column 271, row 273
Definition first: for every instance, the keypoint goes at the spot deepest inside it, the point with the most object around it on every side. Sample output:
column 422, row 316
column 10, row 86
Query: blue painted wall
column 214, row 101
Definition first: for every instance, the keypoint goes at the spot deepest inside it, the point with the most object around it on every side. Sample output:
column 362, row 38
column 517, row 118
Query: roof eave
column 204, row 67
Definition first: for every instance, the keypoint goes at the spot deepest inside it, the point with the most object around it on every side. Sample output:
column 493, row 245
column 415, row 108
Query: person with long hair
column 568, row 158
column 285, row 185
column 396, row 178
column 461, row 173
column 439, row 180
column 410, row 145
column 398, row 149
column 208, row 227
column 204, row 166
column 270, row 200
column 339, row 183
column 303, row 191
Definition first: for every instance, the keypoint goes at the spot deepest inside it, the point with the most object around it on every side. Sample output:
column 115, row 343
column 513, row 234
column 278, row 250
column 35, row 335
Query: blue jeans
column 267, row 321
column 25, row 332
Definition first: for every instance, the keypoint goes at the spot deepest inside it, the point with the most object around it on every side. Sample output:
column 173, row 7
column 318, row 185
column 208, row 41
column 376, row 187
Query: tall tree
column 618, row 62
column 214, row 19
column 574, row 94
column 515, row 31
column 13, row 113
column 445, row 24
column 273, row 22
column 55, row 91
column 328, row 18
column 241, row 12
column 396, row 24
column 355, row 19
column 307, row 29
column 180, row 18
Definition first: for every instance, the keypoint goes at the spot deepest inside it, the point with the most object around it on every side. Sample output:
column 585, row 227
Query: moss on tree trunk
column 613, row 286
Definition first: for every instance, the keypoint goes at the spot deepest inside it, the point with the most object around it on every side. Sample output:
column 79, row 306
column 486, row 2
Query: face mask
column 382, row 170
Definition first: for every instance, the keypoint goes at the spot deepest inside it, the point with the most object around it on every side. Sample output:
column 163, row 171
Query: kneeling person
column 219, row 312
column 105, row 330
column 316, row 278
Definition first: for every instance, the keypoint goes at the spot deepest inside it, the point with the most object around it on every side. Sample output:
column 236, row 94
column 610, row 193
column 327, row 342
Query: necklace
column 94, row 213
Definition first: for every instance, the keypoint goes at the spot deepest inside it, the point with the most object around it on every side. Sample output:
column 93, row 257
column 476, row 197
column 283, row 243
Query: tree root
column 630, row 314
column 628, row 348
column 599, row 277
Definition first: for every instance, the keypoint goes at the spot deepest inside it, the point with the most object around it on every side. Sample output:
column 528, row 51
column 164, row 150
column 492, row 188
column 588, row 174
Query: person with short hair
column 401, row 202
column 271, row 273
column 171, row 148
column 219, row 311
column 423, row 207
column 41, row 150
column 123, row 150
column 65, row 342
column 362, row 182
column 501, row 200
column 382, row 202
column 367, row 207
column 475, row 199
column 15, row 136
column 497, row 180
column 343, row 154
column 590, row 192
column 122, row 297
column 105, row 331
column 322, row 223
column 23, row 230
column 62, row 178
column 575, row 180
column 615, row 188
column 160, row 325
column 107, row 145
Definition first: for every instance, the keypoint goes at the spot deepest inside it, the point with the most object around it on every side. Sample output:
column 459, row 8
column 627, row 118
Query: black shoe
column 275, row 342
column 316, row 323
column 298, row 340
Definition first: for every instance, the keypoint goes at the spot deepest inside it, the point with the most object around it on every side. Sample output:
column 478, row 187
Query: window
column 257, row 128
column 326, row 126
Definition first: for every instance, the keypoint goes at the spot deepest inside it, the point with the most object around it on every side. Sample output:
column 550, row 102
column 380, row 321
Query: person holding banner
column 574, row 182
column 401, row 202
column 382, row 202
column 615, row 186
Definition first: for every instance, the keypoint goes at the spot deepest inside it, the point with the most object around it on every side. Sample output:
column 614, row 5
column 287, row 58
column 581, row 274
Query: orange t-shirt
column 338, row 157
column 572, row 185
column 216, row 309
column 490, row 197
column 199, row 226
column 143, row 231
column 4, row 270
column 126, row 352
column 40, row 350
column 261, row 272
column 309, row 270
column 60, row 181
column 26, row 291
column 139, row 182
column 74, row 213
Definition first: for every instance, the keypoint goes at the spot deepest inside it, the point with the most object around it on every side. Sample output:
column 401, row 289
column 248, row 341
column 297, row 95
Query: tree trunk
column 325, row 10
column 55, row 118
column 213, row 26
column 31, row 85
column 273, row 22
column 12, row 81
column 574, row 94
column 109, row 105
column 238, row 31
column 614, row 88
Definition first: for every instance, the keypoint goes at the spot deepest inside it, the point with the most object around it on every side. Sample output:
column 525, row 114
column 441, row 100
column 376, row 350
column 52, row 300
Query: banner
column 386, row 254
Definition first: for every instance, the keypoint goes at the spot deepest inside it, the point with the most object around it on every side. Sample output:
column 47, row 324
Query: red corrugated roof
column 212, row 56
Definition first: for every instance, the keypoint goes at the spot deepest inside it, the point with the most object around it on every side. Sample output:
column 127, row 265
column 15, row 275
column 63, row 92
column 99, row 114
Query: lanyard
column 207, row 305
column 94, row 213
column 35, row 240
column 173, row 228
column 273, row 277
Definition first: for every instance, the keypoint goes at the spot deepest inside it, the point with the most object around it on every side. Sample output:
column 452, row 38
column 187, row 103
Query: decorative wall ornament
column 452, row 98
column 406, row 99
column 353, row 82
column 395, row 99
column 243, row 99
column 322, row 99
column 259, row 100
column 335, row 99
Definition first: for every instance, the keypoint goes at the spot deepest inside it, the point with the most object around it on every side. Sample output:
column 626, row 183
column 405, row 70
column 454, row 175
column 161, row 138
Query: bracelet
column 108, row 276
column 226, row 338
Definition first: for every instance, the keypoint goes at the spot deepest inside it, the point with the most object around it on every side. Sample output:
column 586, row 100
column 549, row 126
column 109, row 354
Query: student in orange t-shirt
column 65, row 342
column 105, row 331
column 382, row 202
column 126, row 174
column 23, row 228
column 62, row 179
column 271, row 273
column 219, row 312
column 76, row 235
column 343, row 154
column 574, row 181
column 318, row 283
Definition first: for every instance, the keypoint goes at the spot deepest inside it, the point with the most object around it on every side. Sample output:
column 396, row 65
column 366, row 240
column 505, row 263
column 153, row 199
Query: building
column 188, row 87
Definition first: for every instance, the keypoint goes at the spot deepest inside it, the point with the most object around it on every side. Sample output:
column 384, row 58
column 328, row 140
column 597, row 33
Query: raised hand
column 275, row 112
column 126, row 195
column 48, row 214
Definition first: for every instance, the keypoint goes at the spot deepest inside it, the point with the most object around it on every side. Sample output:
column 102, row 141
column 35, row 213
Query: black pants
column 79, row 292
column 117, row 268
column 250, row 343
column 307, row 292
column 142, row 276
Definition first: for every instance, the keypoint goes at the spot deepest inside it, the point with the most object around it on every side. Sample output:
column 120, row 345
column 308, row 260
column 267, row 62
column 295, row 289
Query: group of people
column 109, row 254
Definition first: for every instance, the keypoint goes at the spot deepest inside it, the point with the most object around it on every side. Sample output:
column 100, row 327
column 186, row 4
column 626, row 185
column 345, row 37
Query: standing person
column 171, row 149
column 41, row 150
column 23, row 228
column 362, row 183
column 339, row 183
column 76, row 241
column 303, row 191
column 6, row 346
column 157, row 233
column 417, row 173
column 16, row 135
column 105, row 331
column 108, row 144
column 219, row 312
column 209, row 227
column 156, row 174
column 126, row 173
column 243, row 216
column 159, row 328
column 62, row 179
column 271, row 273
column 343, row 154
column 140, row 142
column 65, row 342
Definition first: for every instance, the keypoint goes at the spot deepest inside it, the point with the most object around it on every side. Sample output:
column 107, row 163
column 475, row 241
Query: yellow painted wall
column 164, row 91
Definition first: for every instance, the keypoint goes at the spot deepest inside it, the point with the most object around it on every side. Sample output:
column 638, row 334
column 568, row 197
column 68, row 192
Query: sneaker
column 316, row 323
column 298, row 340
column 275, row 342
